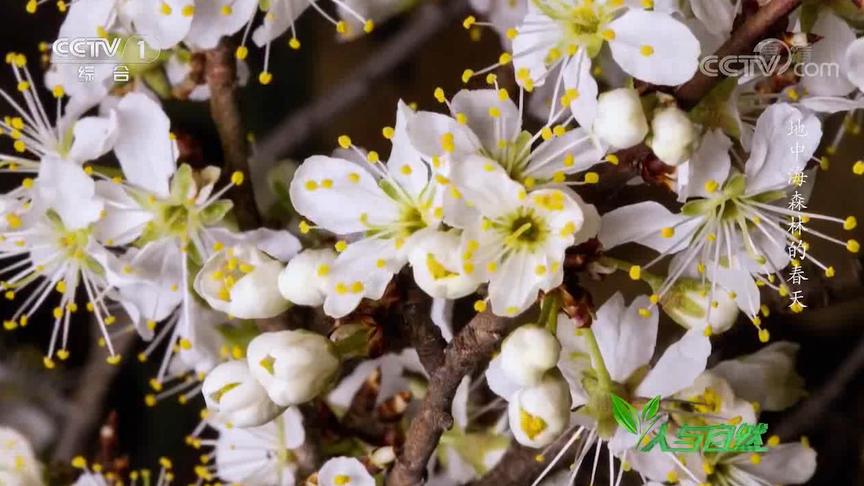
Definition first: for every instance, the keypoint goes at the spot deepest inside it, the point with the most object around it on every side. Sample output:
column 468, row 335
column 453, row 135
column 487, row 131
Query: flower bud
column 539, row 413
column 232, row 393
column 528, row 353
column 344, row 471
column 672, row 135
column 687, row 303
column 620, row 120
column 242, row 282
column 293, row 366
column 305, row 277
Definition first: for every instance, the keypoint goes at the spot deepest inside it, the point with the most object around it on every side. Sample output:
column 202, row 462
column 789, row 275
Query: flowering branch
column 464, row 355
column 220, row 71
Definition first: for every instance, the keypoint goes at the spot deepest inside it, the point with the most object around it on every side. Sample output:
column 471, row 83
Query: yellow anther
column 388, row 132
column 226, row 10
column 644, row 312
column 858, row 168
column 466, row 75
column 165, row 9
column 461, row 118
column 646, row 50
column 511, row 33
column 764, row 336
column 711, row 186
column 265, row 77
column 78, row 462
column 31, row 6
column 853, row 246
column 294, row 43
column 635, row 272
column 592, row 178
column 342, row 27
column 368, row 26
column 241, row 52
column 344, row 141
column 237, row 178
column 494, row 111
column 113, row 359
column 439, row 95
column 406, row 170
column 188, row 10
column 850, row 223
column 668, row 232
column 469, row 22
column 505, row 58
column 340, row 246
column 608, row 34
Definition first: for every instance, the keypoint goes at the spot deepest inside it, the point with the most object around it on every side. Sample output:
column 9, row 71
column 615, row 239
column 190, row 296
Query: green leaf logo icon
column 625, row 414
column 651, row 408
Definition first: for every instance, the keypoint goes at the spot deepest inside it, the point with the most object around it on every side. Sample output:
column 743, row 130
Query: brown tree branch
column 220, row 71
column 742, row 41
column 464, row 355
column 423, row 334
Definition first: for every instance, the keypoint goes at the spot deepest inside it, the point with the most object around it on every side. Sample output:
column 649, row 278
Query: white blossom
column 242, row 282
column 539, row 413
column 293, row 366
column 236, row 397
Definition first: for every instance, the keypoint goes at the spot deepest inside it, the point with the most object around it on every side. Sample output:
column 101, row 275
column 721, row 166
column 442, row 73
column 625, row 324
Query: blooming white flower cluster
column 481, row 200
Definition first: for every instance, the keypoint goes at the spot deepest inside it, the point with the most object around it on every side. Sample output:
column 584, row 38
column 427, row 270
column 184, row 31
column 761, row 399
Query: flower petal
column 476, row 105
column 486, row 185
column 642, row 223
column 625, row 338
column 678, row 367
column 64, row 187
column 93, row 137
column 279, row 17
column 654, row 47
column 708, row 166
column 159, row 30
column 143, row 147
column 577, row 76
column 780, row 149
column 784, row 464
column 210, row 22
column 336, row 194
column 837, row 36
column 766, row 377
column 405, row 165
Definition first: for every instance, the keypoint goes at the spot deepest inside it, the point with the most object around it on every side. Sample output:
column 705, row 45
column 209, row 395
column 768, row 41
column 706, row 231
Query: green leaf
column 625, row 414
column 650, row 409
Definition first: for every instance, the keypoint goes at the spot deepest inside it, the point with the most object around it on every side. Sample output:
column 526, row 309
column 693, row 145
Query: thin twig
column 220, row 72
column 424, row 25
column 464, row 355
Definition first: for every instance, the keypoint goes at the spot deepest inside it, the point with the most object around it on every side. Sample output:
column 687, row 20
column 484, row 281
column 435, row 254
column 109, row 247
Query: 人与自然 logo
column 651, row 426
